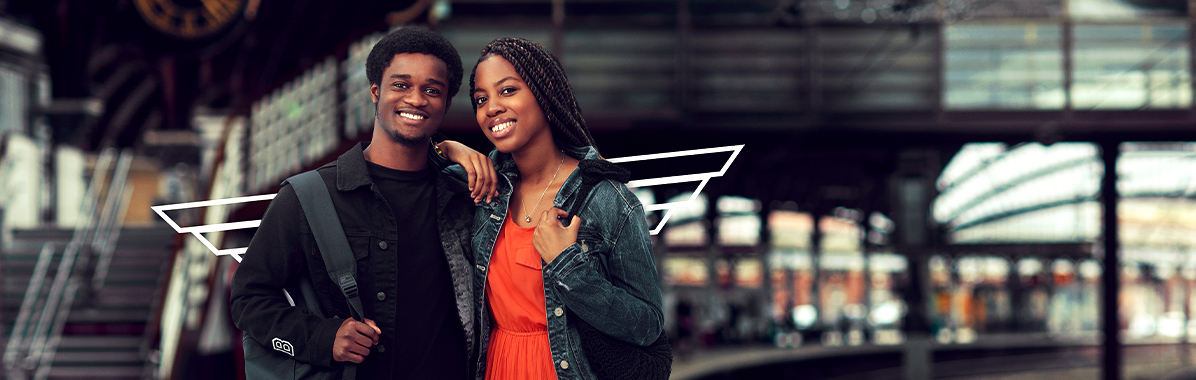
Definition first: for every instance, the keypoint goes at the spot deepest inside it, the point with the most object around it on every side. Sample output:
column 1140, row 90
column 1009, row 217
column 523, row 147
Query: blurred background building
column 928, row 188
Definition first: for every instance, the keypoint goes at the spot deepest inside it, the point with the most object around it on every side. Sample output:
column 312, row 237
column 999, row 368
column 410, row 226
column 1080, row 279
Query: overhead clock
column 190, row 19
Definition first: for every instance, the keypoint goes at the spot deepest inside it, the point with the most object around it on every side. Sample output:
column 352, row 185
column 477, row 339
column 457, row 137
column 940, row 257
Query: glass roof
column 1033, row 193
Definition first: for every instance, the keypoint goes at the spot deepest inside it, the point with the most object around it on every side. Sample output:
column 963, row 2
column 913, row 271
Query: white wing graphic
column 703, row 178
column 198, row 231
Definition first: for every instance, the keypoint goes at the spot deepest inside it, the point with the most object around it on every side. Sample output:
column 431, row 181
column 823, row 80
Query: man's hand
column 483, row 180
column 354, row 339
column 551, row 237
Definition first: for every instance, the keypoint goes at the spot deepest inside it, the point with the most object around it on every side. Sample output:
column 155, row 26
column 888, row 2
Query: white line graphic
column 668, row 207
column 198, row 231
column 704, row 177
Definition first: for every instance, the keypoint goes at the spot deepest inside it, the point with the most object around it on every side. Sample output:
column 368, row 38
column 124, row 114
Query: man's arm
column 275, row 258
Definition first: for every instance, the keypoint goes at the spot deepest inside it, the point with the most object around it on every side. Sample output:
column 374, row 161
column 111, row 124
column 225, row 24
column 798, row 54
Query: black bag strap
column 330, row 238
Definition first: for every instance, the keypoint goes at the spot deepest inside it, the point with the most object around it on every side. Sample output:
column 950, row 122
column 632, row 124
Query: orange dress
column 519, row 348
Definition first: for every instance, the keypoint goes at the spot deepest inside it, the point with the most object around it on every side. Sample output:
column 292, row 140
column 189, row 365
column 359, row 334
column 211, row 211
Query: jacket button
column 558, row 311
column 564, row 364
column 382, row 245
column 381, row 296
column 381, row 348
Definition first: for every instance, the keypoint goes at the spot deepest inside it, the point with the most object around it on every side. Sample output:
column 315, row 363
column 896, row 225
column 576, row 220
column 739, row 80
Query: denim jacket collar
column 506, row 166
column 351, row 171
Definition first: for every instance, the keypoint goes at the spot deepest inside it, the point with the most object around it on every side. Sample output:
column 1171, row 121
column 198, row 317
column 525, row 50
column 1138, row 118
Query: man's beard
column 410, row 142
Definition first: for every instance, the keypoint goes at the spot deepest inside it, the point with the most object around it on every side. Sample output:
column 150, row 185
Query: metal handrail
column 100, row 241
column 16, row 339
column 114, row 211
column 34, row 348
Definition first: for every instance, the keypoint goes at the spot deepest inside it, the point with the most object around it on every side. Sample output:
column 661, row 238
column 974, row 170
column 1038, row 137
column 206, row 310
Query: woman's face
column 507, row 110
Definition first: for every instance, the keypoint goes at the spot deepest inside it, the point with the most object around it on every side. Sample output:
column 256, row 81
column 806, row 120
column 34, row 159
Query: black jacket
column 283, row 249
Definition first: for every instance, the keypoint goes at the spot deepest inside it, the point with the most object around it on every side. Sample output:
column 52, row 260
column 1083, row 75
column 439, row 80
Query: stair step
column 108, row 316
column 101, row 340
column 67, row 357
column 104, row 329
column 109, row 342
column 96, row 372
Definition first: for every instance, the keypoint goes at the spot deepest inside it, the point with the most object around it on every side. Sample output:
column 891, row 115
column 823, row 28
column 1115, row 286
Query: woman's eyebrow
column 504, row 80
column 500, row 81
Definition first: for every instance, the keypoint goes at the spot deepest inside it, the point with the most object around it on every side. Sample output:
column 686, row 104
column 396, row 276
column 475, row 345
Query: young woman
column 537, row 271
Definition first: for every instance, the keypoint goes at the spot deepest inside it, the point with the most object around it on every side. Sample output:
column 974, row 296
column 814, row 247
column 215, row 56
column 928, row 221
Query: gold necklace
column 528, row 217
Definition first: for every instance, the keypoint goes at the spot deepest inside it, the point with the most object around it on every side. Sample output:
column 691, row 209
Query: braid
column 544, row 76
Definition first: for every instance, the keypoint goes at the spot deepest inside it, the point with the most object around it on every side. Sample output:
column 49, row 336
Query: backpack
column 264, row 361
column 611, row 358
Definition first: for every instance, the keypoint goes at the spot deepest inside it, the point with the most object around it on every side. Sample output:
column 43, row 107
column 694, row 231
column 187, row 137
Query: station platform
column 1001, row 356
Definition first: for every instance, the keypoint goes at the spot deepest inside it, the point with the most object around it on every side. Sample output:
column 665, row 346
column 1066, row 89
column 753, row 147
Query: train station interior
column 879, row 189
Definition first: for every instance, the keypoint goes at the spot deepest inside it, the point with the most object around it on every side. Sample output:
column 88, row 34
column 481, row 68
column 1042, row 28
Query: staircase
column 103, row 336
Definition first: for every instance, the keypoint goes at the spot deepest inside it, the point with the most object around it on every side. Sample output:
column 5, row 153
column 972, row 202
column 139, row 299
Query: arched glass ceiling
column 1036, row 193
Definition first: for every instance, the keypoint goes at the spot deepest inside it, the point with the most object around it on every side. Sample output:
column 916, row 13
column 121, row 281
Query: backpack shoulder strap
column 592, row 173
column 330, row 236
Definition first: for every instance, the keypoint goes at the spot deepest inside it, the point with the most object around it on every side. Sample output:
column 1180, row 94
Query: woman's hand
column 551, row 237
column 483, row 180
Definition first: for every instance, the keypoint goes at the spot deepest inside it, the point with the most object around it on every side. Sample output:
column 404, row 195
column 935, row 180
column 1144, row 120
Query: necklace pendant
column 527, row 219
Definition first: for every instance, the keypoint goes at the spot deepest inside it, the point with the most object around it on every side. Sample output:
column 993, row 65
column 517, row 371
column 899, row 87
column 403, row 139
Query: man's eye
column 432, row 91
column 400, row 85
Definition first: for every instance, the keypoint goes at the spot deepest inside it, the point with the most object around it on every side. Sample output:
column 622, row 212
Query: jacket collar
column 351, row 171
column 506, row 166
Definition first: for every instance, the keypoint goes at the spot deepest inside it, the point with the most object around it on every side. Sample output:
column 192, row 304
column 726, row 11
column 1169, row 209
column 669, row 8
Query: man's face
column 411, row 98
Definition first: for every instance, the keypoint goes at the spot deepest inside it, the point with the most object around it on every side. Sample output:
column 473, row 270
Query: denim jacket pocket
column 359, row 243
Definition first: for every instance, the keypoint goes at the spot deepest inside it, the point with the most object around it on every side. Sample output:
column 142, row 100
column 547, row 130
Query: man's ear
column 374, row 92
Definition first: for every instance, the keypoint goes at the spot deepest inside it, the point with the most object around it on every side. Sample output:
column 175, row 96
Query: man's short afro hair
column 414, row 40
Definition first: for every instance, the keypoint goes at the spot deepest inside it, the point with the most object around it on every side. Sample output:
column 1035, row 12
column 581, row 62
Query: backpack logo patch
column 283, row 346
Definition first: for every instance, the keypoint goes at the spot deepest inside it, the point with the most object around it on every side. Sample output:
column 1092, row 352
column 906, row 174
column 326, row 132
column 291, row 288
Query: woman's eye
column 479, row 100
column 508, row 90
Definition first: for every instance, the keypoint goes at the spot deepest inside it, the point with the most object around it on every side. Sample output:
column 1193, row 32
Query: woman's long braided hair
column 544, row 76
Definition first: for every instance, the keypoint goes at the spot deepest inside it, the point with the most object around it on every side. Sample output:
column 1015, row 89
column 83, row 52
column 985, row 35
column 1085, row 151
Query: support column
column 1017, row 304
column 1185, row 351
column 916, row 360
column 1185, row 293
column 815, row 269
column 764, row 253
column 1111, row 355
column 866, row 252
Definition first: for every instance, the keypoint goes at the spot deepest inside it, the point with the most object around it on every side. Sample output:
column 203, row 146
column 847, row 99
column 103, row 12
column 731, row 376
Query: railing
column 32, row 352
column 13, row 349
column 114, row 211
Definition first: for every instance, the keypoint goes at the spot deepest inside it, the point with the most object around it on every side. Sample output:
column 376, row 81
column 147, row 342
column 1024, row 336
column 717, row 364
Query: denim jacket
column 607, row 277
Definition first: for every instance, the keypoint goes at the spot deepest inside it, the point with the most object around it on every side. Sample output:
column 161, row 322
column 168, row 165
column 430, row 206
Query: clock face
column 189, row 19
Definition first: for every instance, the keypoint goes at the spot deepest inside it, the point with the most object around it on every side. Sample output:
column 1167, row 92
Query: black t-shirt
column 428, row 342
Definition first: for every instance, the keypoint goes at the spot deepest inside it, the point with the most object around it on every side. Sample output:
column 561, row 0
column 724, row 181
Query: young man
column 407, row 225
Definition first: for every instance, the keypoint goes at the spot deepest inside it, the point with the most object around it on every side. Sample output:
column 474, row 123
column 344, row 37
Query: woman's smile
column 502, row 127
